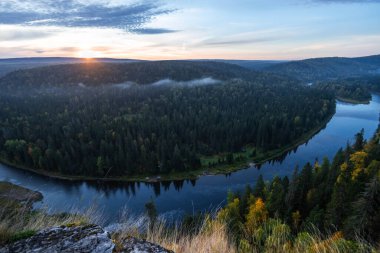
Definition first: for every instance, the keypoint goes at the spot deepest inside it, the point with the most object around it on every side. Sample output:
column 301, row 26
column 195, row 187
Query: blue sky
column 184, row 29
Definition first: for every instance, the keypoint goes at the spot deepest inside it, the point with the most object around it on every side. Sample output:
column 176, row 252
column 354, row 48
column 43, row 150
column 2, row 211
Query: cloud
column 69, row 49
column 12, row 35
column 153, row 30
column 236, row 41
column 72, row 13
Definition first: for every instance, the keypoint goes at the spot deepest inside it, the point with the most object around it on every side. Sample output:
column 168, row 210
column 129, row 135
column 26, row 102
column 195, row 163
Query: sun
column 88, row 54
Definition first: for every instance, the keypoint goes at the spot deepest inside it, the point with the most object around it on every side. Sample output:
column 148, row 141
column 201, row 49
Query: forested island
column 352, row 90
column 132, row 120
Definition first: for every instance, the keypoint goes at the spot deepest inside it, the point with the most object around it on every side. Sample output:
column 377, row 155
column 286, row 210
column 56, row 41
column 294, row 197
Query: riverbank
column 14, row 197
column 353, row 101
column 245, row 160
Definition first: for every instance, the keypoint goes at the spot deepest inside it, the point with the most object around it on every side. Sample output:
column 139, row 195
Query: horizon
column 196, row 30
column 194, row 59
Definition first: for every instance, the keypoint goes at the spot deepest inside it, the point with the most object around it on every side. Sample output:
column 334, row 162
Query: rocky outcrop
column 83, row 239
column 89, row 238
column 134, row 245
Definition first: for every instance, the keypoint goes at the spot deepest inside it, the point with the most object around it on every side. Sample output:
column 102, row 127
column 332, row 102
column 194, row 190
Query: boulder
column 83, row 239
column 88, row 238
column 134, row 245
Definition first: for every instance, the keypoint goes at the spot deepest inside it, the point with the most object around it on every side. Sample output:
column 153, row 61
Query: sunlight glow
column 88, row 54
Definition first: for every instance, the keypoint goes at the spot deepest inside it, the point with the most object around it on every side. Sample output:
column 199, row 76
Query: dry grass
column 23, row 221
column 211, row 235
column 212, row 238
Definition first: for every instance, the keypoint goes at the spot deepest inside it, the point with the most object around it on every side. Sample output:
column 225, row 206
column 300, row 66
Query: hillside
column 318, row 69
column 257, row 65
column 13, row 64
column 100, row 73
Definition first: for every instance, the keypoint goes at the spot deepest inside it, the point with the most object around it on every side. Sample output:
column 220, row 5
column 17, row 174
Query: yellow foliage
column 358, row 160
column 316, row 166
column 229, row 211
column 328, row 244
column 344, row 166
column 356, row 173
column 337, row 235
column 257, row 215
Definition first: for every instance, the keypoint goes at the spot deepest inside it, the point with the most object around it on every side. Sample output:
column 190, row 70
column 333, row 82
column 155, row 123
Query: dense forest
column 114, row 130
column 340, row 198
column 352, row 89
column 321, row 69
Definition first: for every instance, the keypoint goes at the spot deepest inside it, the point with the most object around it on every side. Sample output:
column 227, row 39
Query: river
column 205, row 193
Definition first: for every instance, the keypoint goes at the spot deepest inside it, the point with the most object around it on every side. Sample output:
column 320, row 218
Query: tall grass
column 21, row 220
column 210, row 235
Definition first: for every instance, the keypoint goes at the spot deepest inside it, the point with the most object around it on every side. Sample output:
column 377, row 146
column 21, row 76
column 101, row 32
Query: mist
column 191, row 83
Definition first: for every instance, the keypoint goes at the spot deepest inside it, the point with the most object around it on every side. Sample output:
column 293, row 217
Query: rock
column 89, row 238
column 81, row 239
column 134, row 245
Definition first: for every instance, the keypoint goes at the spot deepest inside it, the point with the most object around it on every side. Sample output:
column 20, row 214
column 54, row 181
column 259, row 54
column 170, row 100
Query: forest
column 340, row 198
column 356, row 90
column 113, row 130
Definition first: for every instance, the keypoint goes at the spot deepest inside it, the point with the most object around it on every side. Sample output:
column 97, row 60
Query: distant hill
column 12, row 64
column 319, row 69
column 103, row 73
column 251, row 64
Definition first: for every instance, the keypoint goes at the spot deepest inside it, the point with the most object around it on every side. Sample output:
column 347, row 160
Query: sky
column 190, row 29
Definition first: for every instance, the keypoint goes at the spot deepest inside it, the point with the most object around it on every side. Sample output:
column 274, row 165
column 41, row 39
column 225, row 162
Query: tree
column 259, row 188
column 151, row 212
column 359, row 140
column 276, row 198
column 365, row 220
column 256, row 216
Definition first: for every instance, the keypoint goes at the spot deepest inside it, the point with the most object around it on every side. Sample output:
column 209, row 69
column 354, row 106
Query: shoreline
column 353, row 101
column 188, row 175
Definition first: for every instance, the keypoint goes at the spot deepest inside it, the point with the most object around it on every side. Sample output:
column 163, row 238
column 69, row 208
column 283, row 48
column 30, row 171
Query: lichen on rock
column 83, row 239
column 134, row 245
column 88, row 238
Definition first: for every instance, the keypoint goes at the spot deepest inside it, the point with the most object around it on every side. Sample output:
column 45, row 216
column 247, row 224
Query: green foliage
column 22, row 235
column 343, row 196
